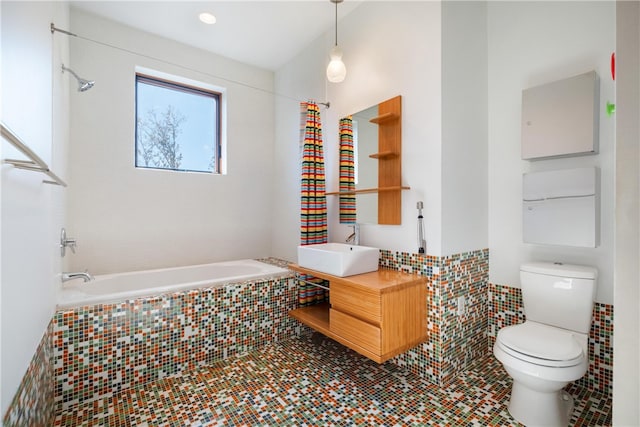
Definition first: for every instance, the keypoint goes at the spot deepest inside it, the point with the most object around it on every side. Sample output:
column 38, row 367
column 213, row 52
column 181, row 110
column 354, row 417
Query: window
column 177, row 126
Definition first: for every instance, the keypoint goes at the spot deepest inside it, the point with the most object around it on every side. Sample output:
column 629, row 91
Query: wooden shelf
column 367, row 190
column 384, row 155
column 317, row 318
column 386, row 117
column 314, row 316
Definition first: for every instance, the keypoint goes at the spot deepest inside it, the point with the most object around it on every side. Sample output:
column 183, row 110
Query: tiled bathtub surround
column 102, row 349
column 33, row 403
column 505, row 309
column 454, row 339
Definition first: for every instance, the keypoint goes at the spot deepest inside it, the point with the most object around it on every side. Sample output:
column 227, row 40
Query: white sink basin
column 338, row 259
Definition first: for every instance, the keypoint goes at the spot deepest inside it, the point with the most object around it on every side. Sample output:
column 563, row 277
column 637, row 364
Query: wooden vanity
column 379, row 314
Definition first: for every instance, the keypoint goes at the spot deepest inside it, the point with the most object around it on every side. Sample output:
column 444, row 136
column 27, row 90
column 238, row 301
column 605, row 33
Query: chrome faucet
column 66, row 242
column 70, row 276
column 355, row 236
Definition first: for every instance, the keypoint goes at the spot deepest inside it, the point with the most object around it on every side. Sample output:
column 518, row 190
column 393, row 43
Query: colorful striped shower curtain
column 313, row 206
column 347, row 172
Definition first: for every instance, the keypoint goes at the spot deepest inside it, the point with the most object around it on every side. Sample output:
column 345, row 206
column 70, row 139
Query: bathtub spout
column 70, row 276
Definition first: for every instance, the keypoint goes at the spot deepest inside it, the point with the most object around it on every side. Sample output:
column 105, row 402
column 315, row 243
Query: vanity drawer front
column 358, row 332
column 351, row 299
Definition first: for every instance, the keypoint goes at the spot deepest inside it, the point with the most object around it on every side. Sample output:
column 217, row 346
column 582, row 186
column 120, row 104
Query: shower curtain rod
column 55, row 29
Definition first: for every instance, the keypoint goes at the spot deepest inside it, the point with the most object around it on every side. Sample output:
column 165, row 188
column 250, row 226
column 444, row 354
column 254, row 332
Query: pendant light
column 336, row 71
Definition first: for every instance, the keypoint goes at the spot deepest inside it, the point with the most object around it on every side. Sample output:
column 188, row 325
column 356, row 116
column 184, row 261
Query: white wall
column 464, row 127
column 302, row 78
column 130, row 219
column 32, row 212
column 626, row 361
column 390, row 48
column 532, row 43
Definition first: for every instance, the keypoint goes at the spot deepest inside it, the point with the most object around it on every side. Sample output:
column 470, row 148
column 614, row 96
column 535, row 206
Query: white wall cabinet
column 561, row 118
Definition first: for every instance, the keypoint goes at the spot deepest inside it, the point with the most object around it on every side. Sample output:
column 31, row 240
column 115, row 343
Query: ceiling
column 266, row 34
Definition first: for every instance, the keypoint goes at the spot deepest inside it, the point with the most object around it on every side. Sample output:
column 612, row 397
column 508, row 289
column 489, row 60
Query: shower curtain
column 313, row 199
column 347, row 173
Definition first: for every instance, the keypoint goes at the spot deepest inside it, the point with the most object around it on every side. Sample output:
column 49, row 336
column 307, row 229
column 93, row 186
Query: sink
column 338, row 259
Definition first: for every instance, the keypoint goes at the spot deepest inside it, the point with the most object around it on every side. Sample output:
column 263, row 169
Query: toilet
column 550, row 349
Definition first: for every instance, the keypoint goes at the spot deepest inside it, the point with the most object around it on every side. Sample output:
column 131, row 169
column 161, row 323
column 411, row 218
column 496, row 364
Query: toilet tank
column 559, row 294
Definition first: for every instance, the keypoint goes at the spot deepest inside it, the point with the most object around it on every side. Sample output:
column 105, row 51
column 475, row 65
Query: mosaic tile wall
column 33, row 403
column 102, row 349
column 424, row 359
column 463, row 336
column 505, row 309
column 454, row 340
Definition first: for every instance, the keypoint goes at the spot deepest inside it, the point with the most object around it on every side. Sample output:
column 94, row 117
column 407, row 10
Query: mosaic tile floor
column 313, row 381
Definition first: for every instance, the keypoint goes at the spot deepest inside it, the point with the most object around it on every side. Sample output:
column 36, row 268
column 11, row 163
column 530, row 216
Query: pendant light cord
column 336, row 3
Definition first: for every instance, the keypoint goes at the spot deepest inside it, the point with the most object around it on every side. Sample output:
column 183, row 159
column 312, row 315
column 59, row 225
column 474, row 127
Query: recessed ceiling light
column 207, row 18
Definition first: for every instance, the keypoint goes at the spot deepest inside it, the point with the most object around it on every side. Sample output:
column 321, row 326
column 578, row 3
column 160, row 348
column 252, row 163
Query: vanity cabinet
column 379, row 314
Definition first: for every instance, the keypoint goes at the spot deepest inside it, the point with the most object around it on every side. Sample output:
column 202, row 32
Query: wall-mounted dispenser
column 561, row 118
column 561, row 207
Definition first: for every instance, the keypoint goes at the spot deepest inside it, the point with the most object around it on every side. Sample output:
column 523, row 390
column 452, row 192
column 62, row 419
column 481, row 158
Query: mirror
column 365, row 143
column 376, row 154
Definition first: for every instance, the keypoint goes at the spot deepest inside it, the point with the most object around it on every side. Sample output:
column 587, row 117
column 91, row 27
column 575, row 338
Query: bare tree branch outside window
column 158, row 138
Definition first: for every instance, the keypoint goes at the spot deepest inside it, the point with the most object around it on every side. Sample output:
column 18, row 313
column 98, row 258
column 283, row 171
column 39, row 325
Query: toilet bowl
column 542, row 360
column 550, row 349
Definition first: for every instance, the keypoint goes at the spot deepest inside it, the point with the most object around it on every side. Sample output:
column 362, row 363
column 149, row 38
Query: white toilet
column 550, row 349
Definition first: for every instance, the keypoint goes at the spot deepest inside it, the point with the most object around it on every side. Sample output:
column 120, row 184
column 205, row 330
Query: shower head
column 83, row 84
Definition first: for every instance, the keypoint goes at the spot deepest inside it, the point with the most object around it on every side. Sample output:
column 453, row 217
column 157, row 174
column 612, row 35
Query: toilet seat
column 540, row 344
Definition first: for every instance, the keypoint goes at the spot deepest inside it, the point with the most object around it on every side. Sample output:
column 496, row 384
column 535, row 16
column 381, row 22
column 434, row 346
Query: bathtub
column 111, row 288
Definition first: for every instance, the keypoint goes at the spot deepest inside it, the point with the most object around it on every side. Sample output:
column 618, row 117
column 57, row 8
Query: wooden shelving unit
column 389, row 166
column 366, row 190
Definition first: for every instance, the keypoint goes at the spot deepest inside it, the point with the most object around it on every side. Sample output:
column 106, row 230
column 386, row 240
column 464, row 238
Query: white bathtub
column 118, row 287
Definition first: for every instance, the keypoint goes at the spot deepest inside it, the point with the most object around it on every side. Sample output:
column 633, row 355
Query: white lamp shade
column 336, row 70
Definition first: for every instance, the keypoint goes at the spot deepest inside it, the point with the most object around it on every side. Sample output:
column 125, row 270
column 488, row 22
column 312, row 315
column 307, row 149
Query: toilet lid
column 541, row 342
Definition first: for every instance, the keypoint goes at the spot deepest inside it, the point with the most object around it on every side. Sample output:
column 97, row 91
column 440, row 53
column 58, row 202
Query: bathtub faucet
column 70, row 276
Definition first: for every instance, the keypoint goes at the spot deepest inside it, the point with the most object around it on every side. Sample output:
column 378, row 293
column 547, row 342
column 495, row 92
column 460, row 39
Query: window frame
column 190, row 88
